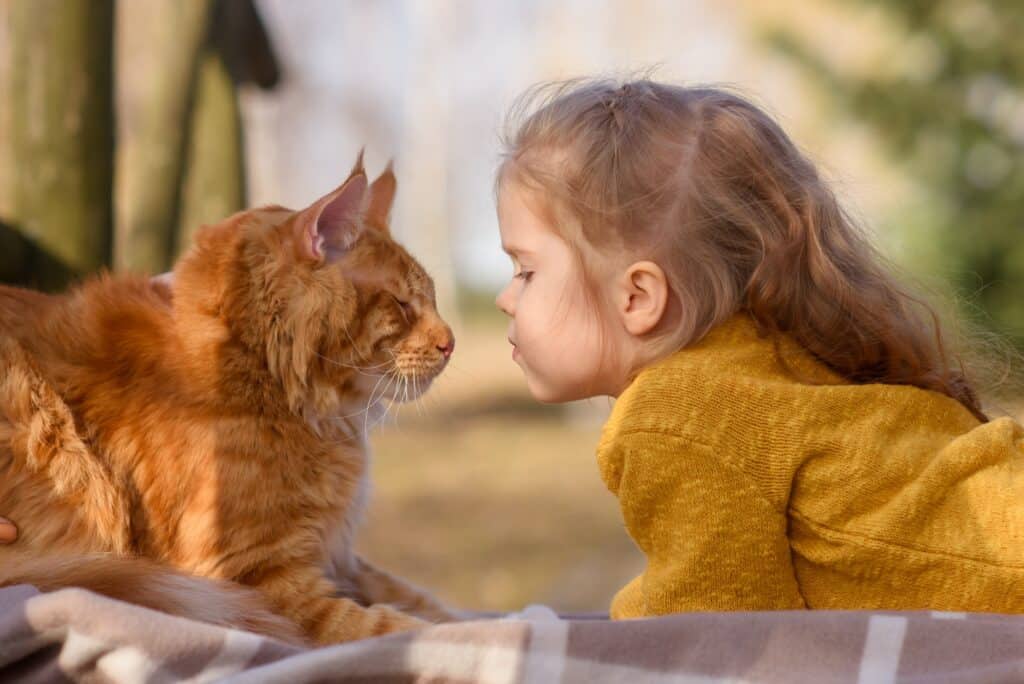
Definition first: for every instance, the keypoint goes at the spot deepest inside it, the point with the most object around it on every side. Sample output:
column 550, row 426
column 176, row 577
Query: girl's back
column 831, row 495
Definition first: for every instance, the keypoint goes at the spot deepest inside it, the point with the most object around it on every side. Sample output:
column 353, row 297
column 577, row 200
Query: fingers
column 8, row 532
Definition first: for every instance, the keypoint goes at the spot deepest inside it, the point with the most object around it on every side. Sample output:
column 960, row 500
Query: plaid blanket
column 73, row 634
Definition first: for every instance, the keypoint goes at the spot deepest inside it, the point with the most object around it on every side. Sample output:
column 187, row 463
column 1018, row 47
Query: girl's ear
column 642, row 297
column 326, row 229
column 382, row 197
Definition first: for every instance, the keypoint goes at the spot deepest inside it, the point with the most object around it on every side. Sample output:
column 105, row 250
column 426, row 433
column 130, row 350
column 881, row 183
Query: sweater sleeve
column 712, row 540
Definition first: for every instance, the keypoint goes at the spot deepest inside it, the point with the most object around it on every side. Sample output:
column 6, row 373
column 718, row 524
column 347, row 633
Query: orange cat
column 221, row 431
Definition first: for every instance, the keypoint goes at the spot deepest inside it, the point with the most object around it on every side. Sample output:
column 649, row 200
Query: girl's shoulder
column 736, row 381
column 738, row 348
column 734, row 354
column 729, row 369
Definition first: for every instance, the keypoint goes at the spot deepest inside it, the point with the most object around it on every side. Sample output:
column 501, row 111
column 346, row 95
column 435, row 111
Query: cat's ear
column 325, row 230
column 382, row 197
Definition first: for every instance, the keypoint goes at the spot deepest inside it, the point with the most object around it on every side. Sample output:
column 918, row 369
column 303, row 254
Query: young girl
column 790, row 431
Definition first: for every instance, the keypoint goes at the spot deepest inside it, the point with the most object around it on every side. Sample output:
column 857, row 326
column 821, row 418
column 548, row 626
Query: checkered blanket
column 73, row 634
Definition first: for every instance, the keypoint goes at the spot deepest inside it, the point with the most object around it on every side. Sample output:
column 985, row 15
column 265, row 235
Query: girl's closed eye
column 524, row 275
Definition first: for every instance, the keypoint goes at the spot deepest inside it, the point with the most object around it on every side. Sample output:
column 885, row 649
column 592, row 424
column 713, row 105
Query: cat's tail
column 151, row 585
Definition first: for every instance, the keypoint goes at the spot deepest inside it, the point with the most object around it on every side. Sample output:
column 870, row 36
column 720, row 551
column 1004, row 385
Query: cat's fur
column 147, row 438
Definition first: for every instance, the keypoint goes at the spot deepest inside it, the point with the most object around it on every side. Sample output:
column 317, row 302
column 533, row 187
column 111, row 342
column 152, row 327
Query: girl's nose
column 503, row 302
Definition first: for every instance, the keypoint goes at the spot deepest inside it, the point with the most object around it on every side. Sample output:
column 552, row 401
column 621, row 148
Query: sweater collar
column 648, row 385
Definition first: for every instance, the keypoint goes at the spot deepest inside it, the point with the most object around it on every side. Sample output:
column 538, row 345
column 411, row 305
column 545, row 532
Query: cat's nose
column 447, row 349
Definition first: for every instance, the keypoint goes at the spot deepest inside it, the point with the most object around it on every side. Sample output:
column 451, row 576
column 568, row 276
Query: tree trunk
column 158, row 49
column 13, row 249
column 57, row 125
column 214, row 185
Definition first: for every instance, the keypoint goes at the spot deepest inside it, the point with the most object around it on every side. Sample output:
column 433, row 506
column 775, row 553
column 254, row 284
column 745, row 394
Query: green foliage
column 952, row 108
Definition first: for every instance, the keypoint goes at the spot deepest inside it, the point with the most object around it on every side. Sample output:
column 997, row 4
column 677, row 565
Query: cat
column 198, row 445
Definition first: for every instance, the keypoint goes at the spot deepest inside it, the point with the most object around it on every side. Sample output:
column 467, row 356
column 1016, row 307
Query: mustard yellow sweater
column 749, row 490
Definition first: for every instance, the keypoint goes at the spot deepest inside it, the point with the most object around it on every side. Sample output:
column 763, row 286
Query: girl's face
column 556, row 337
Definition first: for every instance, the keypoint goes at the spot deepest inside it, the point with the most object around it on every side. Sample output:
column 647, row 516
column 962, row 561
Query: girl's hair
column 710, row 188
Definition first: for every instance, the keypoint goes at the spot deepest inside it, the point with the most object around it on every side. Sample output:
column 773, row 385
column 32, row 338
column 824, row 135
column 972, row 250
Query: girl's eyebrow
column 513, row 250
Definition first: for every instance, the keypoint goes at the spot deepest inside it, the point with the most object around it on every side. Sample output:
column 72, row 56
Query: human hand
column 163, row 284
column 8, row 531
column 166, row 279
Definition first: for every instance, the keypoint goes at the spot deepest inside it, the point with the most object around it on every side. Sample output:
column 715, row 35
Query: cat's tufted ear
column 325, row 230
column 382, row 196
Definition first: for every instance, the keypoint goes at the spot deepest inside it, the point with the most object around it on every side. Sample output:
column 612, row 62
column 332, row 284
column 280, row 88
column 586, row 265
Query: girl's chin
column 558, row 394
column 546, row 395
column 542, row 391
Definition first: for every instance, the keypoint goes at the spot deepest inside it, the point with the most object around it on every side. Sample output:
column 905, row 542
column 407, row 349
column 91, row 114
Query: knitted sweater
column 749, row 490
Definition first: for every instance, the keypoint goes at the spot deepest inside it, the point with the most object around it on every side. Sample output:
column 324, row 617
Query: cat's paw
column 403, row 622
column 437, row 613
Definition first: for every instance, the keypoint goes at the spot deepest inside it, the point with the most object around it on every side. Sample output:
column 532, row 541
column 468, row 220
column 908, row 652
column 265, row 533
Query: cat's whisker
column 387, row 410
column 366, row 413
column 425, row 408
column 344, row 329
column 417, row 396
column 395, row 405
column 364, row 370
column 370, row 401
column 386, row 379
column 392, row 376
column 408, row 381
column 375, row 398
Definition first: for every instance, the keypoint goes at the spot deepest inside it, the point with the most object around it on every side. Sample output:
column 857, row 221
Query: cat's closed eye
column 407, row 309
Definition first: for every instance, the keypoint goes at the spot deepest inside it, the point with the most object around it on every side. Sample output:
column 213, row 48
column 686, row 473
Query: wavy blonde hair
column 709, row 187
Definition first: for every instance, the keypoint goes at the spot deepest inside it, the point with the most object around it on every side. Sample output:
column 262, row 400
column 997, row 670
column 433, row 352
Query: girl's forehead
column 518, row 218
column 524, row 236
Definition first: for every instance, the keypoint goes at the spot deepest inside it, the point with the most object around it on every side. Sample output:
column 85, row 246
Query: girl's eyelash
column 524, row 275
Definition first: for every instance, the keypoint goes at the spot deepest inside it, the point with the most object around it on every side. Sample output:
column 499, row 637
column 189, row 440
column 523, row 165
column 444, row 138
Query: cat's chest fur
column 219, row 478
column 217, row 494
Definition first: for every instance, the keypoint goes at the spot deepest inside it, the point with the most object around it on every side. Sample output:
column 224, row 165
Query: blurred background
column 126, row 124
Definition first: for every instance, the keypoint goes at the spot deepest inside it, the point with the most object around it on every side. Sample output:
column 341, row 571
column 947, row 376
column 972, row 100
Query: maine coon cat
column 150, row 438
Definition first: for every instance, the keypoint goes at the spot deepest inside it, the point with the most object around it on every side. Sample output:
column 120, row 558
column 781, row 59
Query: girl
column 790, row 431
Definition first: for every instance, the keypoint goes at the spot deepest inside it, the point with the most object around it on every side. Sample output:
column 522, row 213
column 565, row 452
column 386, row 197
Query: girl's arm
column 712, row 539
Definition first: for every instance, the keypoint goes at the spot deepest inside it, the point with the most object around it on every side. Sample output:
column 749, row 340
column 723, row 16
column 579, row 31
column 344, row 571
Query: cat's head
column 340, row 313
